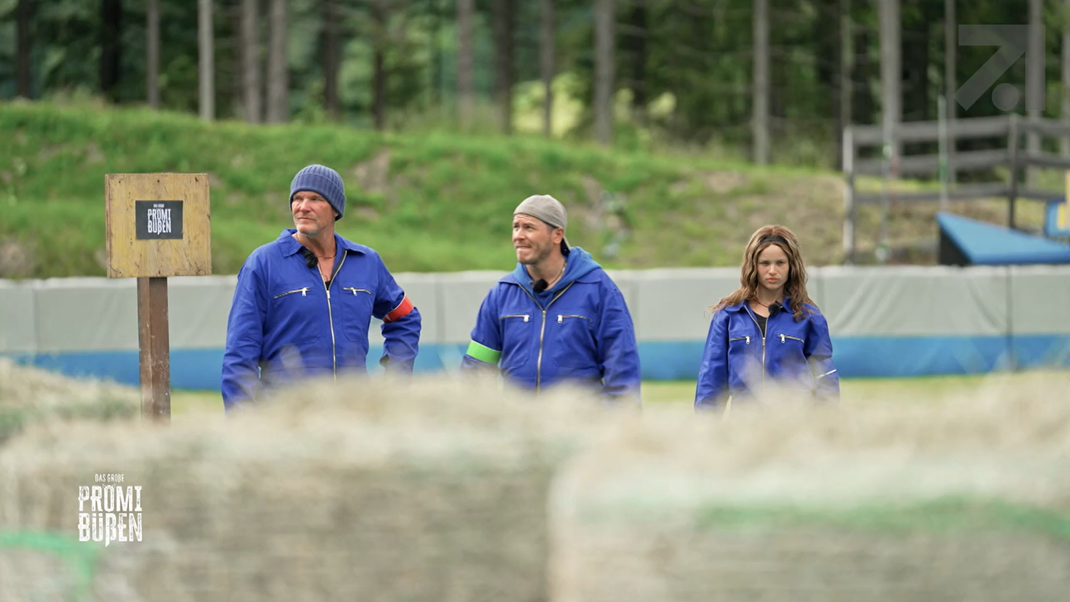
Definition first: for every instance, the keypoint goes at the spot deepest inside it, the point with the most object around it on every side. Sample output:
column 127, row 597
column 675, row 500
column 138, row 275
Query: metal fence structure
column 889, row 166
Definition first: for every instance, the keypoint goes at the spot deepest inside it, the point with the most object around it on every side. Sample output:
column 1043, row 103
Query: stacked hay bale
column 47, row 564
column 961, row 500
column 367, row 489
column 29, row 395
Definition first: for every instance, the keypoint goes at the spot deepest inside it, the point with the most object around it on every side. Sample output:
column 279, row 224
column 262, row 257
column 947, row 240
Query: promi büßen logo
column 156, row 220
column 113, row 513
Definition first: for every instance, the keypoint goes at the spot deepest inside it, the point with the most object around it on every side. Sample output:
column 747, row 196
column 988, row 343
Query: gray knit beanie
column 325, row 182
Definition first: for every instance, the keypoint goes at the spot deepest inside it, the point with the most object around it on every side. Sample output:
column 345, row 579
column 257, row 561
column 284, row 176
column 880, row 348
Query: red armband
column 399, row 312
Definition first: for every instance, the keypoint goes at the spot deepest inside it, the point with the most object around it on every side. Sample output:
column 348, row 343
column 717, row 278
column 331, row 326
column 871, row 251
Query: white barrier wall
column 885, row 321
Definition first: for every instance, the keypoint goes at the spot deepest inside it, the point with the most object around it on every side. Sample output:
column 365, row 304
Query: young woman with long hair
column 768, row 332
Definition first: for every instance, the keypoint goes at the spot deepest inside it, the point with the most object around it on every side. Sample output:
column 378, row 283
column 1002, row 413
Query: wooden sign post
column 158, row 225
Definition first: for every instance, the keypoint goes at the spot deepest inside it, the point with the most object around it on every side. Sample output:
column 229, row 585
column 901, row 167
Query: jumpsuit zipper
column 330, row 316
column 749, row 313
column 542, row 331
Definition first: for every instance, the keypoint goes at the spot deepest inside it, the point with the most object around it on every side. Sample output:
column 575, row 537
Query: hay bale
column 30, row 395
column 962, row 500
column 41, row 566
column 365, row 490
column 39, row 575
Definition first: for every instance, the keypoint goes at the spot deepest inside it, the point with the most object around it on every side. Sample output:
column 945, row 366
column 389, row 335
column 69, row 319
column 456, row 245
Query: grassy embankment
column 436, row 202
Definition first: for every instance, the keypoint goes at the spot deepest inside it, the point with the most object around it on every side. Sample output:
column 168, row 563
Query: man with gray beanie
column 304, row 303
column 557, row 317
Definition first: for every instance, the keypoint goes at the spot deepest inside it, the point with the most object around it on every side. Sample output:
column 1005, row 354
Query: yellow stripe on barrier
column 1062, row 214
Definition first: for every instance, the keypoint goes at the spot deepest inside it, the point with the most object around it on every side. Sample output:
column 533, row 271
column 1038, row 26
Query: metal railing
column 889, row 166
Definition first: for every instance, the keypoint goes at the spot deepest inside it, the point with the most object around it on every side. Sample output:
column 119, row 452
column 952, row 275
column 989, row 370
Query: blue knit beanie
column 325, row 182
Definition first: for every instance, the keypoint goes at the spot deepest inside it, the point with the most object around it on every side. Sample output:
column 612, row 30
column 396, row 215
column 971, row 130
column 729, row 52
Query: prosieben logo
column 1012, row 42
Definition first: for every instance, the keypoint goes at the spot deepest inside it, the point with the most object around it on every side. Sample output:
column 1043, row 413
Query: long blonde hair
column 795, row 288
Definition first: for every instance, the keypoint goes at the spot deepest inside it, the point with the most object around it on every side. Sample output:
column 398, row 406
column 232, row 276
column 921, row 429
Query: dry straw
column 31, row 395
column 438, row 489
column 955, row 499
column 364, row 489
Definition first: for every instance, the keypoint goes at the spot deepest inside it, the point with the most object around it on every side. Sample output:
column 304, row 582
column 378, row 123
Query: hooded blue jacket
column 797, row 355
column 285, row 323
column 579, row 330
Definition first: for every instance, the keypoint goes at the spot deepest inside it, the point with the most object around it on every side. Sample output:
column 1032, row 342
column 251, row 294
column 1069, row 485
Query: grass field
column 187, row 405
column 428, row 203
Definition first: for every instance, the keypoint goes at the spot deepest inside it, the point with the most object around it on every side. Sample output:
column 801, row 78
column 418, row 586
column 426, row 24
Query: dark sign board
column 158, row 220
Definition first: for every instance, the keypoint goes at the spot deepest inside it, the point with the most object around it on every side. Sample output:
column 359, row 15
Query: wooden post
column 157, row 226
column 155, row 349
column 1012, row 187
column 1034, row 84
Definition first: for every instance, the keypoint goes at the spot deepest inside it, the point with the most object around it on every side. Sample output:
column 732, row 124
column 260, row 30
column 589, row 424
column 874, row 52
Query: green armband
column 483, row 353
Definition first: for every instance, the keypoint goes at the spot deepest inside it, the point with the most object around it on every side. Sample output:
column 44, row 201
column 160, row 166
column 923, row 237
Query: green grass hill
column 434, row 202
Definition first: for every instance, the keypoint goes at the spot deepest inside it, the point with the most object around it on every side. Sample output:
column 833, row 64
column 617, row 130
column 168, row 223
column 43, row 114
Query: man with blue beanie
column 557, row 317
column 304, row 303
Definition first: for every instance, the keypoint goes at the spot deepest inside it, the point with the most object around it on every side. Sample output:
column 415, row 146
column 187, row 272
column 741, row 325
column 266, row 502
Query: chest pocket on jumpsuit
column 573, row 339
column 518, row 329
column 790, row 348
column 352, row 307
column 293, row 307
column 744, row 350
